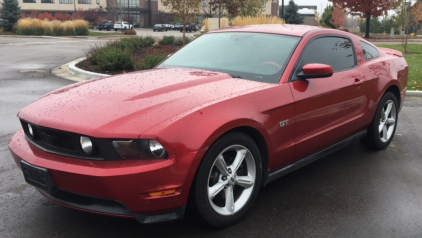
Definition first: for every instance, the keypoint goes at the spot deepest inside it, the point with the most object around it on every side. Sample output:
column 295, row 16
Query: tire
column 99, row 29
column 381, row 131
column 225, row 179
column 115, row 29
column 108, row 29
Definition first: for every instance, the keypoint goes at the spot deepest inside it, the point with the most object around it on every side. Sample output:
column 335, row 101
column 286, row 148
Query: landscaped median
column 129, row 54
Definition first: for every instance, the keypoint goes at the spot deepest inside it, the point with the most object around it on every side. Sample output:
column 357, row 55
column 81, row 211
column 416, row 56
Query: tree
column 10, row 13
column 327, row 17
column 338, row 16
column 407, row 17
column 367, row 8
column 187, row 10
column 240, row 7
column 292, row 16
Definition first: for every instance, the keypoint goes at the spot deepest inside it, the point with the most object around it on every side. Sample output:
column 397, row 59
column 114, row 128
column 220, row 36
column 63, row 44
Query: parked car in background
column 169, row 26
column 159, row 27
column 178, row 26
column 189, row 28
column 211, row 125
column 107, row 25
column 122, row 25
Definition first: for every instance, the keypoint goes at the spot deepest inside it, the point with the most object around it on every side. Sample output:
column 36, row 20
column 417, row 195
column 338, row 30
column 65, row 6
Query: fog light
column 87, row 145
column 157, row 149
column 31, row 132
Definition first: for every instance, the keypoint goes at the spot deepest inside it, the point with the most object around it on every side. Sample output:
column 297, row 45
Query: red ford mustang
column 230, row 112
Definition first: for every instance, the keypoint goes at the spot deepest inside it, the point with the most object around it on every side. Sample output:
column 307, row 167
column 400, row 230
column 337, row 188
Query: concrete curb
column 414, row 93
column 69, row 71
column 83, row 73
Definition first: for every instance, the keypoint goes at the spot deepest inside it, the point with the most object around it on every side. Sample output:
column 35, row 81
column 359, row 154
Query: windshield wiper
column 235, row 76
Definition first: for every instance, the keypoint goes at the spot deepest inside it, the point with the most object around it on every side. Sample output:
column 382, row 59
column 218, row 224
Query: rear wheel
column 383, row 126
column 228, row 180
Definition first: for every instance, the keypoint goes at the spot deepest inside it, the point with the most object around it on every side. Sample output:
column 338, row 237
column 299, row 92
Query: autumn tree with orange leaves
column 338, row 16
column 367, row 8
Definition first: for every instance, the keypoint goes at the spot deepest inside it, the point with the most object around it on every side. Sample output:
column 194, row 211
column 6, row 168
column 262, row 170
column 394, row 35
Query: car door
column 328, row 110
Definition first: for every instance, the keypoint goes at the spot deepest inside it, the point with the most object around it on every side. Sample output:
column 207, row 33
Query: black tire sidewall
column 200, row 193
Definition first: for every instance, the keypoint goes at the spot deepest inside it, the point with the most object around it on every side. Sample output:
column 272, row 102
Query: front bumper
column 119, row 188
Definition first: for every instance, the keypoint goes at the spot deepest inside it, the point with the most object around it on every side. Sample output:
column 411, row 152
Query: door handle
column 358, row 82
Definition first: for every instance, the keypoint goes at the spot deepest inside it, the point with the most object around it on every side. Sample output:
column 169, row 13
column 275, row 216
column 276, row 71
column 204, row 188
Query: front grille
column 56, row 139
column 67, row 143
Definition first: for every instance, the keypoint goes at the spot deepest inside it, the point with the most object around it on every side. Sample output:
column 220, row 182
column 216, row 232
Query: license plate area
column 36, row 176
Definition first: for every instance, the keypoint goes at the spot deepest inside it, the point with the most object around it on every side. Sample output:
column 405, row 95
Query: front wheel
column 228, row 180
column 383, row 126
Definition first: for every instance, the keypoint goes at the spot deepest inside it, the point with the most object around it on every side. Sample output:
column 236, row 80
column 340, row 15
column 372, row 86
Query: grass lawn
column 414, row 60
column 117, row 33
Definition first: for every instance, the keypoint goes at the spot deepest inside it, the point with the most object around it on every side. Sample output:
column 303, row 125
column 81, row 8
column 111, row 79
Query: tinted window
column 334, row 51
column 369, row 51
column 254, row 56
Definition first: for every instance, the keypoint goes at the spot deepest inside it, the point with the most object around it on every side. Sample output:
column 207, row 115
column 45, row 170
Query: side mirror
column 310, row 71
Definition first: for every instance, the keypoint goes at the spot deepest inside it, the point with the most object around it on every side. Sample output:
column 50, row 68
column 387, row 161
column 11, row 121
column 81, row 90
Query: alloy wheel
column 231, row 180
column 387, row 121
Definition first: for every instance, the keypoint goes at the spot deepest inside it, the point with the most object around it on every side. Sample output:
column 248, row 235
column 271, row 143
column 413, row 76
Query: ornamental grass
column 33, row 26
column 244, row 21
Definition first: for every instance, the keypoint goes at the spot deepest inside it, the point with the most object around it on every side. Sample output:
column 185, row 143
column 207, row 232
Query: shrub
column 81, row 27
column 179, row 41
column 63, row 17
column 113, row 59
column 69, row 28
column 150, row 61
column 1, row 30
column 167, row 40
column 149, row 41
column 129, row 32
column 46, row 16
column 131, row 43
column 57, row 28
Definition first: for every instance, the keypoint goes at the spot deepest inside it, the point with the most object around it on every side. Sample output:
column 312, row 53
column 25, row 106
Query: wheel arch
column 257, row 135
column 395, row 90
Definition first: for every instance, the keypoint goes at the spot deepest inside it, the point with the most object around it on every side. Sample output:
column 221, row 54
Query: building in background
column 58, row 6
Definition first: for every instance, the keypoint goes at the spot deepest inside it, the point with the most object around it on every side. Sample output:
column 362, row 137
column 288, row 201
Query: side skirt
column 307, row 160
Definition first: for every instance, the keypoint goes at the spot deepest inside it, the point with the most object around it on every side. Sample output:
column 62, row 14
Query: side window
column 369, row 52
column 334, row 51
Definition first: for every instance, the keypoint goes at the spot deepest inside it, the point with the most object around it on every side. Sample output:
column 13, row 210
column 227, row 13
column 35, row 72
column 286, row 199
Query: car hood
column 124, row 106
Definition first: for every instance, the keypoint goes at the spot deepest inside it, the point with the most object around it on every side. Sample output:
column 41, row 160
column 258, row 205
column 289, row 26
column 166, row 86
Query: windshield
column 254, row 56
column 117, row 22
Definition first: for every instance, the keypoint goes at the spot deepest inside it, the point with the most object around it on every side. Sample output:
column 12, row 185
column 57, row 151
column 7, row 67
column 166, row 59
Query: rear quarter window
column 369, row 52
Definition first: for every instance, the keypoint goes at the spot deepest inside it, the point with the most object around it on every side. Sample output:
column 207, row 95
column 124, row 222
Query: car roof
column 282, row 29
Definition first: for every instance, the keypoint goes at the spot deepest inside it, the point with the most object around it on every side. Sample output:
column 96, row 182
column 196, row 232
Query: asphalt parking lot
column 354, row 192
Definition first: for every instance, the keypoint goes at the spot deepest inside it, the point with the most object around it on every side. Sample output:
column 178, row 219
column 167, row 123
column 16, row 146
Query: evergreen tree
column 327, row 16
column 292, row 16
column 10, row 13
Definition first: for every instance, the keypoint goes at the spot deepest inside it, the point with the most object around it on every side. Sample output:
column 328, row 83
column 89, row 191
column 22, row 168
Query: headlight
column 86, row 145
column 156, row 149
column 140, row 149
